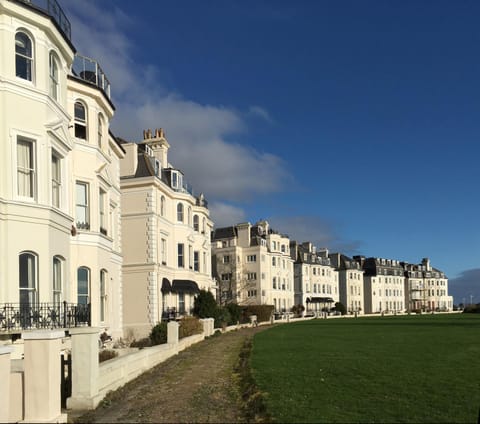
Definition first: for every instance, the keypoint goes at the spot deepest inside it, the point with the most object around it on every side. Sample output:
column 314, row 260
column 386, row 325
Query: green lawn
column 411, row 369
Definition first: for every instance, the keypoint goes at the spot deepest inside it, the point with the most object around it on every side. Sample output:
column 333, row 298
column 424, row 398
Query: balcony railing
column 90, row 71
column 53, row 9
column 17, row 317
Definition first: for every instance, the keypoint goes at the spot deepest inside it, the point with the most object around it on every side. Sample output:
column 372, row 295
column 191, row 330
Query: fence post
column 5, row 352
column 85, row 368
column 172, row 332
column 42, row 376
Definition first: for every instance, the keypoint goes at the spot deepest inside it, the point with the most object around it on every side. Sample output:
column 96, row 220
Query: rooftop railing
column 90, row 71
column 17, row 317
column 53, row 9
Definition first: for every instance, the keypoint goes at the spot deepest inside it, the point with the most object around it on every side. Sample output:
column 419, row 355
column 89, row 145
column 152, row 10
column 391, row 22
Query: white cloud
column 321, row 232
column 225, row 215
column 261, row 113
column 198, row 133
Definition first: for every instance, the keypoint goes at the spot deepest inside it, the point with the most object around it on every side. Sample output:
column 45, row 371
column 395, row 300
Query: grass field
column 410, row 369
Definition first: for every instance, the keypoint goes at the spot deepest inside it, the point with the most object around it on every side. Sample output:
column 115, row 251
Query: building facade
column 384, row 285
column 166, row 236
column 59, row 175
column 426, row 288
column 316, row 280
column 350, row 283
column 253, row 266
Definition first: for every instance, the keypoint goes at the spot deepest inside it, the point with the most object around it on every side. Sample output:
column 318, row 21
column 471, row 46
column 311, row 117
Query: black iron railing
column 16, row 316
column 53, row 9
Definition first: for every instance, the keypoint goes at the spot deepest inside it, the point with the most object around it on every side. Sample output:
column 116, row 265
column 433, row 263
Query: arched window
column 83, row 286
column 28, row 279
column 80, row 116
column 57, row 279
column 162, row 206
column 23, row 56
column 189, row 216
column 196, row 223
column 204, row 229
column 100, row 130
column 180, row 212
column 103, row 294
column 53, row 65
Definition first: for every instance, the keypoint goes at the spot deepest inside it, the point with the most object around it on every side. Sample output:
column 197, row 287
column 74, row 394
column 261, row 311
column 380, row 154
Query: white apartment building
column 316, row 280
column 384, row 284
column 166, row 236
column 59, row 178
column 426, row 288
column 350, row 282
column 252, row 266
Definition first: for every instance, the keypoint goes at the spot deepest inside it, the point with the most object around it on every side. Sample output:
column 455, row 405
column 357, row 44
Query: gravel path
column 195, row 386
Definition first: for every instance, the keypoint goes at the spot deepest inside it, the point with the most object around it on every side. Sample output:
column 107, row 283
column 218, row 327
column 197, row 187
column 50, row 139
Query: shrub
column 105, row 355
column 263, row 312
column 340, row 307
column 204, row 305
column 222, row 317
column 297, row 309
column 145, row 342
column 189, row 326
column 235, row 312
column 158, row 335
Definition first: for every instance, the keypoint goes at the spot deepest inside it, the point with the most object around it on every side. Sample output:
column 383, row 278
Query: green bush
column 188, row 326
column 105, row 355
column 263, row 312
column 146, row 342
column 158, row 335
column 222, row 318
column 340, row 307
column 204, row 305
column 235, row 312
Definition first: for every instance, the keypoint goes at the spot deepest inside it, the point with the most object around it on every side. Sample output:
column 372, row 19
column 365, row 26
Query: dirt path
column 195, row 386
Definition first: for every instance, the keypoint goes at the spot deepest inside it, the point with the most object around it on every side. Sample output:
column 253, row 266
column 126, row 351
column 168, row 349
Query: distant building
column 316, row 280
column 252, row 265
column 166, row 236
column 350, row 282
column 383, row 285
column 426, row 288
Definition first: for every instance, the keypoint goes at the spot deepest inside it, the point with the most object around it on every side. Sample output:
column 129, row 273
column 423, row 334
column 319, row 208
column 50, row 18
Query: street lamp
column 471, row 299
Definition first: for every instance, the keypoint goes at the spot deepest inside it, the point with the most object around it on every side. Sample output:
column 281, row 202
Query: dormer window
column 177, row 180
column 148, row 151
column 158, row 168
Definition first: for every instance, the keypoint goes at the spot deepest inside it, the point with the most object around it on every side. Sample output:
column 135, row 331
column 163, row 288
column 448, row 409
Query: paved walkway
column 194, row 386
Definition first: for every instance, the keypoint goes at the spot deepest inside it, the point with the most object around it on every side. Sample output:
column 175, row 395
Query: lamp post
column 471, row 299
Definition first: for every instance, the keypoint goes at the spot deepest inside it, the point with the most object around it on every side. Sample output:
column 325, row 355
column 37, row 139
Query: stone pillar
column 5, row 352
column 85, row 368
column 42, row 376
column 172, row 332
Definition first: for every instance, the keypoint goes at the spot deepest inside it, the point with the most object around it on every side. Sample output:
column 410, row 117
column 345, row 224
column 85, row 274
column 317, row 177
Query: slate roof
column 224, row 233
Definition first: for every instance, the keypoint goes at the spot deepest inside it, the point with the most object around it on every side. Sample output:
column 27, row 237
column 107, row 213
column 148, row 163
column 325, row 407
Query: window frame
column 57, row 279
column 27, row 172
column 80, row 124
column 86, row 295
column 29, row 61
column 56, row 180
column 180, row 212
column 53, row 74
column 82, row 225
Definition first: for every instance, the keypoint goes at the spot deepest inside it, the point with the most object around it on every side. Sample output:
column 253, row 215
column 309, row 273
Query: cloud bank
column 199, row 134
column 466, row 284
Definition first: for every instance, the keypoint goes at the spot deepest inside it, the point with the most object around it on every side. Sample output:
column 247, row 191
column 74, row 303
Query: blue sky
column 353, row 124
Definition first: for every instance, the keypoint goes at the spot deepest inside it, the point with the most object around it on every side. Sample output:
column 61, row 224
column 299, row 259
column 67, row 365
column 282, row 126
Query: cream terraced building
column 350, row 282
column 384, row 285
column 59, row 177
column 166, row 237
column 316, row 280
column 253, row 266
column 426, row 288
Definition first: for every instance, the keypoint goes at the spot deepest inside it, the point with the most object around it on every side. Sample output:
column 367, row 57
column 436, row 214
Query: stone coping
column 43, row 335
